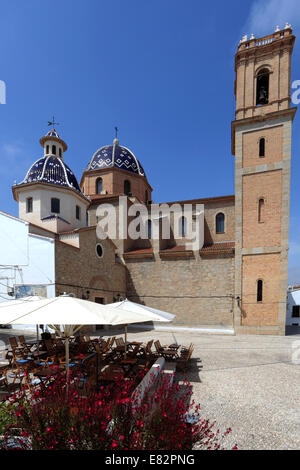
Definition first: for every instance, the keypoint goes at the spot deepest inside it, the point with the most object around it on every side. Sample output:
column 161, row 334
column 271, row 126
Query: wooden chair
column 24, row 345
column 119, row 349
column 14, row 344
column 158, row 346
column 111, row 342
column 183, row 361
column 54, row 347
column 3, row 377
column 184, row 350
column 148, row 353
column 47, row 362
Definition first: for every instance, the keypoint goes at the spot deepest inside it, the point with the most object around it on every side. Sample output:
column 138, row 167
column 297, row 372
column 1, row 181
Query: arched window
column 220, row 223
column 149, row 228
column 262, row 144
column 262, row 87
column 54, row 149
column 259, row 290
column 99, row 186
column 127, row 188
column 47, row 149
column 182, row 226
column 261, row 206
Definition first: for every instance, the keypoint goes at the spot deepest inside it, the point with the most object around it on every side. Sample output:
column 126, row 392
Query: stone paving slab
column 248, row 383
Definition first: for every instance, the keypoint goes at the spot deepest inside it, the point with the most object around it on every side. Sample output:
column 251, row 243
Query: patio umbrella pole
column 125, row 341
column 37, row 338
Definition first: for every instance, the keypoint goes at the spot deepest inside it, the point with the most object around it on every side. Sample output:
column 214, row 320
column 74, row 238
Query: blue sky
column 161, row 70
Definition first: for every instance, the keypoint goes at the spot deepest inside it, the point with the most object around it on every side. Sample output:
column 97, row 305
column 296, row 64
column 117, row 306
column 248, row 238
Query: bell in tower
column 262, row 90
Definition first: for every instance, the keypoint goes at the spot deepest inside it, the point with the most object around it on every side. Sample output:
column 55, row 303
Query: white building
column 293, row 306
column 26, row 261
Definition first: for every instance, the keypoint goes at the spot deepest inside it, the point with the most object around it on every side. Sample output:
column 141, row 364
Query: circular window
column 99, row 250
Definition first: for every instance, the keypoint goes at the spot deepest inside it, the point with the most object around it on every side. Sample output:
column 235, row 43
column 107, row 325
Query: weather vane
column 53, row 123
column 117, row 130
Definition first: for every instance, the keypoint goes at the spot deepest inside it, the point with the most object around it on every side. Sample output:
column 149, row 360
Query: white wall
column 293, row 298
column 41, row 197
column 25, row 259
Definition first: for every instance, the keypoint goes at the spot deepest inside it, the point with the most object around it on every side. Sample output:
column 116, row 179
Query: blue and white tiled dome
column 116, row 156
column 53, row 170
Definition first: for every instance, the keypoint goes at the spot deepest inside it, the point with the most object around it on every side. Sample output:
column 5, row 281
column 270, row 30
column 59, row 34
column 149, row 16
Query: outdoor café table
column 169, row 353
column 38, row 354
column 174, row 346
column 131, row 345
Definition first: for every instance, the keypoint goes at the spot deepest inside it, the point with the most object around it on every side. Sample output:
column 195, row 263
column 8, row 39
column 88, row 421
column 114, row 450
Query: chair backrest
column 87, row 338
column 157, row 346
column 13, row 342
column 120, row 342
column 97, row 348
column 148, row 346
column 190, row 352
column 22, row 339
column 112, row 340
column 105, row 346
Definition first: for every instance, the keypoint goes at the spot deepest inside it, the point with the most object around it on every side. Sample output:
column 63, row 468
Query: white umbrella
column 143, row 311
column 17, row 302
column 70, row 312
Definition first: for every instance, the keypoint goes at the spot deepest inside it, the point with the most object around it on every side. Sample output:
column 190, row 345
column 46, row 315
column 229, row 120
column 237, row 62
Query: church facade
column 238, row 278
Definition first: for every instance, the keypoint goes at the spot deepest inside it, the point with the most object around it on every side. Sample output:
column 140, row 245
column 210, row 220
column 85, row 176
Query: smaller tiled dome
column 116, row 156
column 51, row 170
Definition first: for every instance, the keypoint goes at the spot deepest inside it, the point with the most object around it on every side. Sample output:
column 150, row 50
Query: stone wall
column 102, row 277
column 197, row 290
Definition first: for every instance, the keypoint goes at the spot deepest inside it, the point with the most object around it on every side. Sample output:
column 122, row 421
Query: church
column 238, row 279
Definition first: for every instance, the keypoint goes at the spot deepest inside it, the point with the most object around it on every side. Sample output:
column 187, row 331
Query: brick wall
column 267, row 268
column 266, row 186
column 273, row 146
column 113, row 183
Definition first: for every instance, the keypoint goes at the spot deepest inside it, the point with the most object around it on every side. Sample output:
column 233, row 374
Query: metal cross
column 116, row 129
column 53, row 123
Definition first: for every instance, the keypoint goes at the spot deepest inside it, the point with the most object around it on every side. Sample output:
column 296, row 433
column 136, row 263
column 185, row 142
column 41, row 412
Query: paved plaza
column 248, row 383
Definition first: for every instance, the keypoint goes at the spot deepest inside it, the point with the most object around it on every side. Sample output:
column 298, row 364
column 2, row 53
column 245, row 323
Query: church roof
column 53, row 170
column 116, row 156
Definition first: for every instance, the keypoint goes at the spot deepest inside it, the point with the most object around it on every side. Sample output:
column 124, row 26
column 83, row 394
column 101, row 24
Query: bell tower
column 261, row 144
